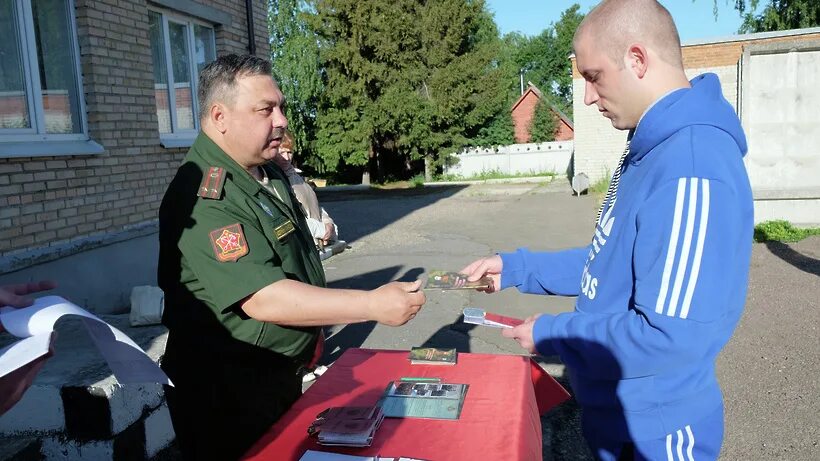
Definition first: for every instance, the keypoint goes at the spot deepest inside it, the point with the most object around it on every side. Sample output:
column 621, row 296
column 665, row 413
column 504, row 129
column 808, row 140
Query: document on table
column 312, row 455
column 128, row 362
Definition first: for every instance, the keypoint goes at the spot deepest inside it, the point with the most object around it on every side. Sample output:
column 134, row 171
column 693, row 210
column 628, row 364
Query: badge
column 284, row 230
column 267, row 210
column 229, row 243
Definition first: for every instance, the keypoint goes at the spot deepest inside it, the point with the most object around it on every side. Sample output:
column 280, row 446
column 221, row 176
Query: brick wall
column 51, row 201
column 598, row 145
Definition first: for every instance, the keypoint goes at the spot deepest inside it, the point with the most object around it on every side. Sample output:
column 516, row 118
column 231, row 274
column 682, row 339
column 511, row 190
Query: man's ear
column 217, row 116
column 637, row 59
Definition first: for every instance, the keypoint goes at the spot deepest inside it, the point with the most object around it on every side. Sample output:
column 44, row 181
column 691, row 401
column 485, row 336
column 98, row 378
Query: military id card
column 443, row 280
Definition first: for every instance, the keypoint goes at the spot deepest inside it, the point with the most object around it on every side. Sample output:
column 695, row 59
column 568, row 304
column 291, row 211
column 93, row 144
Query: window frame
column 181, row 137
column 17, row 142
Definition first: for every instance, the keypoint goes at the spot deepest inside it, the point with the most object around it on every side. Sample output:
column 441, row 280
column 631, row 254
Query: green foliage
column 776, row 15
column 499, row 132
column 417, row 181
column 782, row 231
column 600, row 187
column 545, row 57
column 295, row 57
column 495, row 174
column 404, row 80
column 543, row 125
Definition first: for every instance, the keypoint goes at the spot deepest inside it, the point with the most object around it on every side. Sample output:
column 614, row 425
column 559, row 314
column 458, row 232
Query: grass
column 782, row 231
column 493, row 174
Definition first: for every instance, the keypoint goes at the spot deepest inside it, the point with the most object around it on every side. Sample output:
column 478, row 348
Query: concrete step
column 76, row 409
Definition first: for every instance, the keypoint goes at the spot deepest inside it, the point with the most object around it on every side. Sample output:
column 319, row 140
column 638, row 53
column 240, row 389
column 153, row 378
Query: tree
column 545, row 57
column 405, row 80
column 542, row 127
column 294, row 55
column 778, row 15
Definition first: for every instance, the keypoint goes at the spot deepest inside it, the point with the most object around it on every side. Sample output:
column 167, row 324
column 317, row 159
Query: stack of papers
column 35, row 323
column 312, row 455
column 479, row 317
column 348, row 426
column 435, row 400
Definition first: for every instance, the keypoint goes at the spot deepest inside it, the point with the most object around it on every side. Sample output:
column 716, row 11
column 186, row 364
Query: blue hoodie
column 662, row 285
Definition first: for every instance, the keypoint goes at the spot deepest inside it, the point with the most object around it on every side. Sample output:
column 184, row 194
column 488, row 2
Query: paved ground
column 768, row 371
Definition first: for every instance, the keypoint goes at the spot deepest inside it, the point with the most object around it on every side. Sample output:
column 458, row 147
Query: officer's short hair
column 218, row 79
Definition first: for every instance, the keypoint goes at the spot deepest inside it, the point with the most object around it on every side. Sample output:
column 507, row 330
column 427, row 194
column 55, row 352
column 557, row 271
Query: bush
column 417, row 181
column 782, row 231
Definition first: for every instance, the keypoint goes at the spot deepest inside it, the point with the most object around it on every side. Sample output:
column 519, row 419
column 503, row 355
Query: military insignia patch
column 229, row 243
column 284, row 230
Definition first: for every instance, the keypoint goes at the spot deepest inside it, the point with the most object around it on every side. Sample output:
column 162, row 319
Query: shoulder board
column 212, row 182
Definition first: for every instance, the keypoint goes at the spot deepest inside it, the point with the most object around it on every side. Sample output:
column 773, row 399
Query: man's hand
column 485, row 267
column 15, row 295
column 523, row 333
column 15, row 384
column 395, row 303
column 328, row 233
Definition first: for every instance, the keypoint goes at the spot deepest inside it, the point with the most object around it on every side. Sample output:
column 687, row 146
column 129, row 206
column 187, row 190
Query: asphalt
column 768, row 371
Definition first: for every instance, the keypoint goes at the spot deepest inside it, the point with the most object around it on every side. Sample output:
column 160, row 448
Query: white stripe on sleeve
column 693, row 278
column 691, row 444
column 673, row 243
column 687, row 244
column 680, row 445
column 669, row 448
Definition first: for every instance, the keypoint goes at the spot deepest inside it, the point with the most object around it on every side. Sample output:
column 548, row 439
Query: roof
column 531, row 88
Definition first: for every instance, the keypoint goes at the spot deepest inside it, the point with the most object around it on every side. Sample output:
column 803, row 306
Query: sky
column 694, row 19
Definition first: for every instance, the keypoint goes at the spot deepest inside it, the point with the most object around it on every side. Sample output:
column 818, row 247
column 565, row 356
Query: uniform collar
column 213, row 155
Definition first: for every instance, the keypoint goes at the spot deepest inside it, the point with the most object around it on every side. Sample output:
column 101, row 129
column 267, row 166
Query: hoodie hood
column 684, row 108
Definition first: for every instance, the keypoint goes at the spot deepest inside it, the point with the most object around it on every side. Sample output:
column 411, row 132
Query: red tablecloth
column 499, row 420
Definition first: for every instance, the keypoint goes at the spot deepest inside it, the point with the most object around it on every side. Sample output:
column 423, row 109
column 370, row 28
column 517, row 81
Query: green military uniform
column 224, row 236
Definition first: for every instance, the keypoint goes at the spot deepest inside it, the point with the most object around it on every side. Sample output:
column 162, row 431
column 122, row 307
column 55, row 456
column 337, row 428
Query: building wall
column 521, row 159
column 598, row 145
column 55, row 206
column 564, row 132
column 522, row 116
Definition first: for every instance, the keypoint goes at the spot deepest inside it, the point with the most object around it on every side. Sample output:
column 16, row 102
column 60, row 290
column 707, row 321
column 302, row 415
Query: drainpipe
column 251, row 35
column 521, row 76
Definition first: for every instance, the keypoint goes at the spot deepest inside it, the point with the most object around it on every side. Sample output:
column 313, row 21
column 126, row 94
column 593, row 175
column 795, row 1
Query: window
column 40, row 93
column 180, row 48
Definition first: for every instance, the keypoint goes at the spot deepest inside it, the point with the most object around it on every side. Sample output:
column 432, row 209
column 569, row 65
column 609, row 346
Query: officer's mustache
column 278, row 132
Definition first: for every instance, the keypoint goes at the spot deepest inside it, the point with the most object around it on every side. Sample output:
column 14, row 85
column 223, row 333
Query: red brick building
column 523, row 112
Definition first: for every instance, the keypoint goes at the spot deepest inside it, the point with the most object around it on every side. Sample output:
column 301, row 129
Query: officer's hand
column 16, row 383
column 328, row 232
column 523, row 334
column 395, row 303
column 486, row 267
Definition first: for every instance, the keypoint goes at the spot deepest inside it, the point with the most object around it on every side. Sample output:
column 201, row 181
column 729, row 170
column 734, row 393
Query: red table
column 499, row 420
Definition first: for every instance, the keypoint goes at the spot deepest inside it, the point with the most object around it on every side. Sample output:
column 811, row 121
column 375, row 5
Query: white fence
column 515, row 159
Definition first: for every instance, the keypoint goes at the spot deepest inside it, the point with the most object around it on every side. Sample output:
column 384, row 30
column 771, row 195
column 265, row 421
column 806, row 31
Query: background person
column 319, row 222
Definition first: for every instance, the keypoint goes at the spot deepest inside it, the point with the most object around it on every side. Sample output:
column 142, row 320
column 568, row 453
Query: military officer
column 244, row 287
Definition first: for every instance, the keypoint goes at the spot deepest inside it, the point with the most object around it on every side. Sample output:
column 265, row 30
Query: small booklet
column 442, row 280
column 408, row 399
column 347, row 426
column 312, row 455
column 35, row 323
column 480, row 317
column 433, row 356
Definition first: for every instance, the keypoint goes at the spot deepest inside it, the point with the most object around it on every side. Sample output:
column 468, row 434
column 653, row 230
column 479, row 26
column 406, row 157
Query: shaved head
column 614, row 25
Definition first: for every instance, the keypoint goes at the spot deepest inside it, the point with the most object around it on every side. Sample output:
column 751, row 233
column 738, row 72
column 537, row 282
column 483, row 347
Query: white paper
column 22, row 352
column 127, row 360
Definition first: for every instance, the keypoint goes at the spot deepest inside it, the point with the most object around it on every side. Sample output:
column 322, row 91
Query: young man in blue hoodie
column 663, row 282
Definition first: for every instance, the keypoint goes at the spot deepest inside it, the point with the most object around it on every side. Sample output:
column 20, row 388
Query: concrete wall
column 780, row 102
column 54, row 206
column 515, row 159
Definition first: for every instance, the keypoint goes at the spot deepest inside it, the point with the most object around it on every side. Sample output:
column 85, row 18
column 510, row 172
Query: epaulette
column 212, row 182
